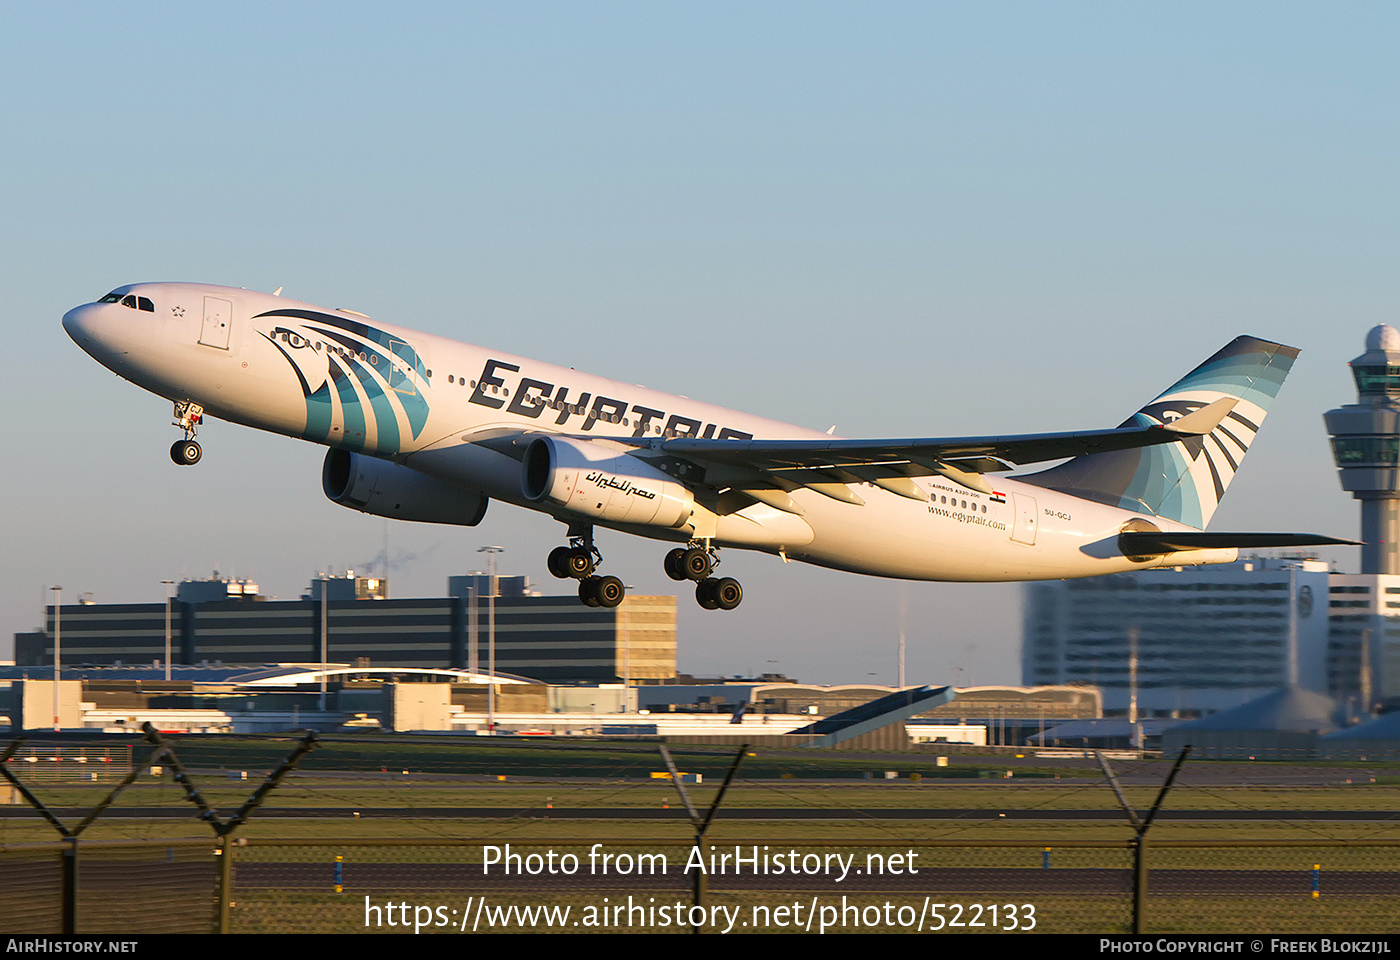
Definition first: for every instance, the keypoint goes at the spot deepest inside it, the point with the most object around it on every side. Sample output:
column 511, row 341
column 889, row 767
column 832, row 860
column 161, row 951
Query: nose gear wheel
column 186, row 452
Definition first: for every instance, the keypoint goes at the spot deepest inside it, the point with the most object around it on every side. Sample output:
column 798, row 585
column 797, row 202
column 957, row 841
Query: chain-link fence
column 167, row 886
column 487, row 884
column 625, row 845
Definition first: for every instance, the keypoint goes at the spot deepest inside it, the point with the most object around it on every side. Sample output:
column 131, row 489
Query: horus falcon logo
column 364, row 388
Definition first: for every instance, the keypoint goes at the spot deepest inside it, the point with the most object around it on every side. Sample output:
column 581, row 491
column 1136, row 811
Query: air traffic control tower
column 1366, row 445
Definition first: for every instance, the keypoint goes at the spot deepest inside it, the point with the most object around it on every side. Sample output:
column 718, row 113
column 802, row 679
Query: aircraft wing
column 827, row 466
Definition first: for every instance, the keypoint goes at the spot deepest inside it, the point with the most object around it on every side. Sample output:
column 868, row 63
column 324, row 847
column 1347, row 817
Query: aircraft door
column 218, row 323
column 1023, row 528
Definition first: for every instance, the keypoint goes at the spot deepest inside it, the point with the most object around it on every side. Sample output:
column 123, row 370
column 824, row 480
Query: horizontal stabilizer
column 1147, row 543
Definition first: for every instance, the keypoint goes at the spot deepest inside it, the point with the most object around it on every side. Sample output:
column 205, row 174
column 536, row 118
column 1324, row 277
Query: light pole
column 57, row 648
column 903, row 620
column 624, row 626
column 168, row 585
column 321, row 702
column 473, row 625
column 1134, row 731
column 491, row 635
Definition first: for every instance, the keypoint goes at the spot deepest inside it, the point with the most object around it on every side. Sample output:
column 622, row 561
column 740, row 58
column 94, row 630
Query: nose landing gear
column 188, row 416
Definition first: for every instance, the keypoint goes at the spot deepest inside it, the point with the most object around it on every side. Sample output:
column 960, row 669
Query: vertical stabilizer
column 1184, row 481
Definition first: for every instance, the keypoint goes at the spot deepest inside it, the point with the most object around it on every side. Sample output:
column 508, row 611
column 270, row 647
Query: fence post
column 223, row 829
column 1140, row 882
column 70, row 886
column 701, row 824
column 1140, row 827
column 225, row 879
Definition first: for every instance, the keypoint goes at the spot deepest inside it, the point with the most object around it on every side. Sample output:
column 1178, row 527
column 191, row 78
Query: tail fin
column 1184, row 481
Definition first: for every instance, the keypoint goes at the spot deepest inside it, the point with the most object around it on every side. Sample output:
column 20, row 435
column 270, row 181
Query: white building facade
column 1205, row 638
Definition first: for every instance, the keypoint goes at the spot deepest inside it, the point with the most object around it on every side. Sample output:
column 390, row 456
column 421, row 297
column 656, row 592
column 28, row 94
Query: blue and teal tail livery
column 1184, row 481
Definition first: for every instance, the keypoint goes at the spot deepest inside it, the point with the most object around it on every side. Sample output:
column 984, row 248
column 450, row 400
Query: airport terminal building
column 551, row 639
column 1211, row 638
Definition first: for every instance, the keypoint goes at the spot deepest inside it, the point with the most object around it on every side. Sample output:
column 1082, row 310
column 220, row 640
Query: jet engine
column 387, row 489
column 603, row 483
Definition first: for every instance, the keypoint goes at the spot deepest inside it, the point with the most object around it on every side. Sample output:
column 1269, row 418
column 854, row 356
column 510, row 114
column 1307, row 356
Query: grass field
column 1216, row 876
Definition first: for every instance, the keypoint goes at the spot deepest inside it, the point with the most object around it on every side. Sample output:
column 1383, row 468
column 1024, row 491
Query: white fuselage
column 427, row 402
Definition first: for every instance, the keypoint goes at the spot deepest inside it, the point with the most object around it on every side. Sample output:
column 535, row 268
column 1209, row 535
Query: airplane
column 423, row 428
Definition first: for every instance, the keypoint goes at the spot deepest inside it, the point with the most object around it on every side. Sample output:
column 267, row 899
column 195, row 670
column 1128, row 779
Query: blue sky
column 901, row 219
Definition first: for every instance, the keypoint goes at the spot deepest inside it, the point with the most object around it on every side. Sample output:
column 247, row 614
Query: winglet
column 1198, row 423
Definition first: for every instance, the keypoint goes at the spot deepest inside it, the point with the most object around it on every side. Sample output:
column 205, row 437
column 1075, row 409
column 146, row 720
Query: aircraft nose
column 91, row 329
column 73, row 322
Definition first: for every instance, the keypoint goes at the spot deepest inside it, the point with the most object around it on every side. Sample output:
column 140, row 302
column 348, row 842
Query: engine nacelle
column 600, row 482
column 387, row 489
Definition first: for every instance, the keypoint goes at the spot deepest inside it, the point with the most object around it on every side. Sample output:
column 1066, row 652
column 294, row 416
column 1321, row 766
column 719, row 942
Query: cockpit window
column 134, row 302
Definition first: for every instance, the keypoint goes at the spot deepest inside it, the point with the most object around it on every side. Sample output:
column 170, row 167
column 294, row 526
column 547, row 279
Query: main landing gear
column 188, row 416
column 697, row 563
column 581, row 558
column 578, row 560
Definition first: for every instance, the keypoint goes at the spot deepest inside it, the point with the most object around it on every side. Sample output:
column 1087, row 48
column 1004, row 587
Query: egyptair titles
column 531, row 398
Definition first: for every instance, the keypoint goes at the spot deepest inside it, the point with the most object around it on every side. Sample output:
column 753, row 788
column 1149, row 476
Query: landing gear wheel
column 727, row 593
column 696, row 564
column 580, row 562
column 587, row 591
column 558, row 563
column 185, row 452
column 674, row 564
column 705, row 594
column 601, row 591
column 608, row 590
column 719, row 594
